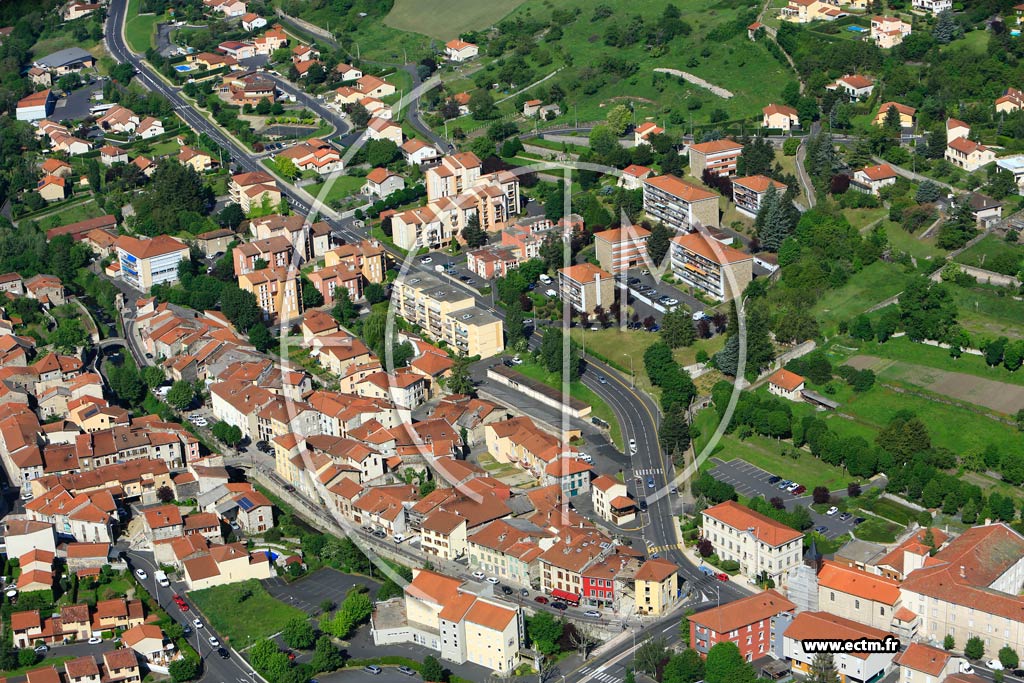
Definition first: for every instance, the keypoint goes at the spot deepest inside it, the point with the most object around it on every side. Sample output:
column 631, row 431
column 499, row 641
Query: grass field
column 911, row 243
column 578, row 391
column 883, row 507
column 243, row 620
column 446, row 19
column 139, row 30
column 878, row 530
column 984, row 313
column 72, row 214
column 342, row 186
column 766, row 453
column 986, row 248
column 870, row 286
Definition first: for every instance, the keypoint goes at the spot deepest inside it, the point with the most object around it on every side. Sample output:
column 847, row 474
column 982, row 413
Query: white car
column 832, row 510
column 965, row 667
column 697, row 315
column 95, row 640
column 516, row 360
column 551, row 292
column 141, row 573
column 493, row 581
column 632, row 445
column 197, row 623
column 214, row 641
column 994, row 664
column 479, row 576
column 425, row 260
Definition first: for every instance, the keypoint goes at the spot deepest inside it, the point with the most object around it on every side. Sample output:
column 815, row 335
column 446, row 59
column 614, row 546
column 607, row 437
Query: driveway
column 324, row 584
column 75, row 107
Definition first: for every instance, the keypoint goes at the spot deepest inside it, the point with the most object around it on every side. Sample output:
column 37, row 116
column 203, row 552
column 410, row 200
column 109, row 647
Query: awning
column 564, row 595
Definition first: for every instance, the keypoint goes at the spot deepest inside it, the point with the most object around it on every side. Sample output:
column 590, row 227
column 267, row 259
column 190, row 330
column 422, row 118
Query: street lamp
column 632, row 377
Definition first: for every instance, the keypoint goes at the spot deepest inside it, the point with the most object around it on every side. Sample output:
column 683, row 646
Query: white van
column 161, row 578
column 545, row 279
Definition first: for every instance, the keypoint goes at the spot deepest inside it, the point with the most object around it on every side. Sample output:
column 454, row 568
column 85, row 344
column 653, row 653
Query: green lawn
column 767, row 454
column 883, row 507
column 861, row 218
column 446, row 19
column 912, row 243
column 340, row 187
column 878, row 530
column 578, row 391
column 870, row 286
column 986, row 249
column 243, row 612
column 72, row 214
column 985, row 314
column 139, row 30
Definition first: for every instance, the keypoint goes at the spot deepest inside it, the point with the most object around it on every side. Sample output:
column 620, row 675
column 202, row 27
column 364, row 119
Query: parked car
column 783, row 484
column 706, row 571
column 507, row 590
column 722, row 576
column 845, row 516
column 95, row 640
column 560, row 605
column 965, row 667
column 540, row 600
column 493, row 581
column 479, row 576
column 793, row 486
column 372, row 669
column 832, row 510
column 994, row 665
column 858, row 520
column 40, row 649
column 141, row 573
column 425, row 260
column 592, row 613
column 821, row 529
column 799, row 490
column 643, row 506
column 524, row 592
column 516, row 360
column 406, row 671
column 774, row 479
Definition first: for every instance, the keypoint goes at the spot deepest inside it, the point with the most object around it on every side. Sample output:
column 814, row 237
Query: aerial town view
column 520, row 341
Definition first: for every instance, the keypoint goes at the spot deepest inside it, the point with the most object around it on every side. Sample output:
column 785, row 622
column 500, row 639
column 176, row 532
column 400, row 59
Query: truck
column 161, row 578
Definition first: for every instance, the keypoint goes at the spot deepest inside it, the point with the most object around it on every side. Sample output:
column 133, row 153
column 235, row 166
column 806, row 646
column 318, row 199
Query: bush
column 821, row 495
column 790, row 146
column 975, row 648
column 730, row 565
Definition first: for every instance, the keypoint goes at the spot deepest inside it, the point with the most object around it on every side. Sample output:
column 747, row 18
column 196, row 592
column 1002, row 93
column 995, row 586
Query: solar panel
column 245, row 504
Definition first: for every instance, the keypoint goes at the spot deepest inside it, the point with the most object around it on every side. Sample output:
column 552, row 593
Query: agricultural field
column 447, row 19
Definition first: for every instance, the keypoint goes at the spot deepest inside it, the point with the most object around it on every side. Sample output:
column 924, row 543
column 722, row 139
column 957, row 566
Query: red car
column 540, row 599
column 291, row 656
column 799, row 490
column 722, row 577
column 182, row 605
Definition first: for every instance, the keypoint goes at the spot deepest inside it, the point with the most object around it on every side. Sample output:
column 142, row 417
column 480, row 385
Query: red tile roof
column 785, row 379
column 765, row 529
column 748, row 610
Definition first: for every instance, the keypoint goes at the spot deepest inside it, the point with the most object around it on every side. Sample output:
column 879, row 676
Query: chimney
column 963, row 572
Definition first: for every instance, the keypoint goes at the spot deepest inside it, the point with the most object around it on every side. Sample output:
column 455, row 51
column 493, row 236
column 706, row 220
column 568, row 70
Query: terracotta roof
column 82, row 667
column 967, row 146
column 636, row 170
column 713, row 250
column 123, row 658
column 584, row 273
column 679, row 188
column 878, row 172
column 379, row 175
column 924, row 658
column 428, row 585
column 442, row 522
column 856, row 81
column 748, row 610
column 765, row 529
column 759, row 183
column 137, row 634
column 22, row 621
column 490, row 616
column 157, row 246
column 956, row 123
column 811, row 625
column 901, row 108
column 779, row 108
column 717, row 146
column 564, row 467
column 786, row 380
column 623, row 234
column 858, row 583
column 458, row 44
column 457, row 606
column 656, row 570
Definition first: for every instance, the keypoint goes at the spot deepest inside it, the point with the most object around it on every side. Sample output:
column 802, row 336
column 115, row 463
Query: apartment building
column 254, row 189
column 563, row 564
column 678, row 204
column 754, row 623
column 275, row 252
column 656, row 587
column 276, row 289
column 620, row 249
column 586, row 287
column 148, row 262
column 970, row 588
column 508, row 550
column 611, row 500
column 571, row 475
column 762, row 546
column 716, row 270
column 519, row 440
column 749, row 192
column 857, row 595
column 718, row 157
column 443, row 535
column 462, row 173
column 367, row 255
column 448, row 314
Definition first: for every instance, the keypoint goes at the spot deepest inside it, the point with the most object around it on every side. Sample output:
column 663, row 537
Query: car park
column 832, row 510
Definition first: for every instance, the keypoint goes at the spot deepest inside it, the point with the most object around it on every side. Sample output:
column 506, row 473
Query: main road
column 638, row 415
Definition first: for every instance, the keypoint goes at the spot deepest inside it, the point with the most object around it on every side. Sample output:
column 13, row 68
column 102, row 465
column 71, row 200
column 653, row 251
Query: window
column 856, row 604
column 832, row 596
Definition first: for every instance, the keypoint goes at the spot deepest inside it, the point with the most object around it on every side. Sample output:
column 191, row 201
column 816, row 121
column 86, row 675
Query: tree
column 311, row 296
column 27, row 657
column 947, row 29
column 619, row 118
column 286, row 168
column 724, row 664
column 374, row 293
column 773, row 222
column 69, row 335
column 153, row 376
column 685, row 666
column 360, row 115
column 474, row 235
column 677, row 329
column 861, row 328
column 582, row 639
column 674, row 432
column 1008, row 657
column 344, row 310
column 949, row 642
column 928, row 192
column 481, row 105
column 181, row 394
column 975, row 647
column 651, row 654
column 460, row 381
column 165, row 494
column 823, row 669
column 260, row 337
column 184, row 669
column 545, row 631
column 658, row 243
column 821, row 495
column 298, row 633
column 432, row 670
column 326, row 657
column 1000, row 183
column 229, row 434
column 231, row 216
column 381, row 152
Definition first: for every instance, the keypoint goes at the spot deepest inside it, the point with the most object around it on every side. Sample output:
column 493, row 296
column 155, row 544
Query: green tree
column 481, row 105
column 650, row 655
column 298, row 633
column 344, row 310
column 823, row 669
column 975, row 647
column 381, row 152
column 311, row 296
column 949, row 642
column 69, row 335
column 181, row 394
column 861, row 328
column 460, row 381
column 184, row 669
column 658, row 243
column 260, row 337
column 473, row 234
column 724, row 664
column 153, row 376
column 374, row 293
column 677, row 329
column 286, row 168
column 684, row 667
column 619, row 117
column 267, row 659
column 1008, row 657
column 928, row 192
column 27, row 657
column 544, row 631
column 674, row 432
column 947, row 29
column 326, row 657
column 773, row 223
column 432, row 670
column 227, row 433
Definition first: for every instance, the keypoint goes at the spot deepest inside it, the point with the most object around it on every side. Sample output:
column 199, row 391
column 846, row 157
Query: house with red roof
column 856, row 667
column 854, row 86
column 786, row 384
column 753, row 623
column 718, row 157
column 633, row 176
column 780, row 116
column 458, row 50
column 871, row 179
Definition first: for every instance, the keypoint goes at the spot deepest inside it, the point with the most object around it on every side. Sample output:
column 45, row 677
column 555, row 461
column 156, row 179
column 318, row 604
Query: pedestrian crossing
column 665, row 548
column 598, row 675
column 644, row 473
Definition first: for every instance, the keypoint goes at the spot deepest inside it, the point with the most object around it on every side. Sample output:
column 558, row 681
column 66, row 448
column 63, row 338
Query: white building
column 758, row 543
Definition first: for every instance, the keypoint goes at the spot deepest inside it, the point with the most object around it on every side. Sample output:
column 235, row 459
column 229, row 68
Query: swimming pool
column 856, row 29
column 1015, row 33
column 183, row 68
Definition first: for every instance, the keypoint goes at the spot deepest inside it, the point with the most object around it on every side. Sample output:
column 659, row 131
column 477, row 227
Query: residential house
column 716, row 270
column 871, row 179
column 858, row 595
column 229, row 8
column 755, row 623
column 806, row 11
column 252, row 21
column 780, row 117
column 562, row 565
column 633, row 177
column 854, row 86
column 381, row 183
column 749, row 192
column 571, row 475
column 519, row 440
column 718, row 157
column 225, row 564
column 642, row 133
column 119, row 120
column 384, row 129
column 854, row 667
column 148, row 262
column 1010, row 101
column 200, row 161
column 149, row 127
column 786, row 384
column 66, row 61
column 314, row 155
column 921, row 663
column 209, row 61
column 149, row 643
column 162, row 523
column 458, row 50
column 968, row 154
column 888, row 32
column 985, row 209
column 36, row 106
column 110, row 155
column 254, row 189
column 762, row 546
column 492, row 262
column 77, row 10
column 347, row 72
column 656, row 587
column 956, row 128
column 936, row 7
column 417, row 152
column 508, row 550
column 121, row 666
column 611, row 501
column 82, row 670
column 250, row 87
column 52, row 188
column 905, row 113
column 586, row 287
column 678, row 204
